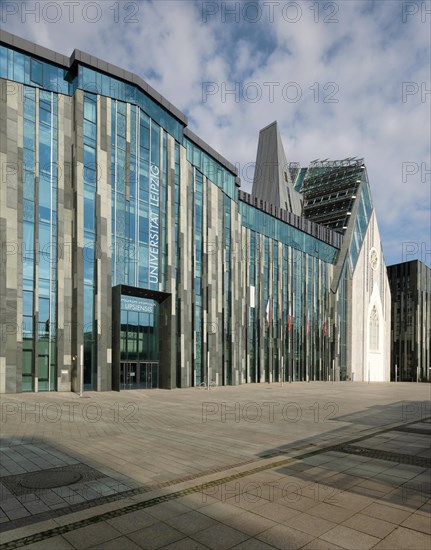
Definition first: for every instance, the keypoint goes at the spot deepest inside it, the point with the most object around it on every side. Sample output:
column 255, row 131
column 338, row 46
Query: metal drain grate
column 384, row 455
column 23, row 484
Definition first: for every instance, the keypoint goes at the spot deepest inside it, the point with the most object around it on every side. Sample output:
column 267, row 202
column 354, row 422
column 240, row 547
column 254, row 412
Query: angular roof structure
column 272, row 181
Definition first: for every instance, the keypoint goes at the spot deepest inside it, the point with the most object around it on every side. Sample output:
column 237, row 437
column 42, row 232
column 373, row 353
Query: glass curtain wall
column 90, row 275
column 295, row 340
column 28, row 256
column 137, row 198
column 228, row 328
column 198, row 320
column 40, row 240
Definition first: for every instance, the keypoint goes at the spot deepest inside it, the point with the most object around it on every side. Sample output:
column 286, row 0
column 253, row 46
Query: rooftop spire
column 272, row 182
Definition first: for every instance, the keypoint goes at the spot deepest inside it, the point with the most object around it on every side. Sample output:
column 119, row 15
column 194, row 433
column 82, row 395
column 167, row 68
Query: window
column 89, row 109
column 374, row 330
column 36, row 74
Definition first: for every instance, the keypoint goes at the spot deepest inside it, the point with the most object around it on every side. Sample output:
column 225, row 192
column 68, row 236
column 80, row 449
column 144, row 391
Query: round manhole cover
column 49, row 480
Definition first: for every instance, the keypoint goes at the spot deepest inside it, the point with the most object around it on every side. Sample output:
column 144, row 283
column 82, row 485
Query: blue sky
column 331, row 73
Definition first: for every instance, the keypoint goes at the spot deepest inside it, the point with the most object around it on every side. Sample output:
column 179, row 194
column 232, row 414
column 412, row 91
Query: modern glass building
column 410, row 284
column 132, row 259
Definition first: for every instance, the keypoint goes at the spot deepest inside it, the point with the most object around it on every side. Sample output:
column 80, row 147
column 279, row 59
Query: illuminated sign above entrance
column 142, row 305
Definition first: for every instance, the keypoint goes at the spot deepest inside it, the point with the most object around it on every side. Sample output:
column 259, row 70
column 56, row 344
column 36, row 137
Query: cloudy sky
column 343, row 79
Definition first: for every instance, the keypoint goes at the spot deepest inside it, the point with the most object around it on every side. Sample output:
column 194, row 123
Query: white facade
column 370, row 312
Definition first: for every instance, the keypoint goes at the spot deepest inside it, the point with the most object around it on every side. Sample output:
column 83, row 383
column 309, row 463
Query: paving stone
column 219, row 510
column 50, row 498
column 425, row 508
column 191, row 522
column 249, row 523
column 36, row 507
column 127, row 523
column 87, row 494
column 167, row 510
column 302, row 504
column 275, row 512
column 399, row 498
column 349, row 538
column 373, row 494
column 390, row 479
column 319, row 544
column 30, row 497
column 88, row 536
column 183, row 544
column 331, row 512
column 53, row 543
column 282, row 536
column 195, row 501
column 10, row 504
column 372, row 526
column 5, row 493
column 155, row 536
column 120, row 543
column 310, row 524
column 252, row 544
column 351, row 501
column 17, row 513
column 405, row 539
column 74, row 499
column 378, row 485
column 220, row 537
column 418, row 522
column 244, row 504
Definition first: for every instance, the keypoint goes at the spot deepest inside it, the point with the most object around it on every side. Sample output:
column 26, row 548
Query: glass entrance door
column 128, row 376
column 139, row 375
column 150, row 372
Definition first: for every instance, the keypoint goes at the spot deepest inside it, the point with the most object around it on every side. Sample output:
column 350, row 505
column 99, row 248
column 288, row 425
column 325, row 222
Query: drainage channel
column 400, row 458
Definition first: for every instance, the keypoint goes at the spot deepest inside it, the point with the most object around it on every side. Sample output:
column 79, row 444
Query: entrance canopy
column 135, row 336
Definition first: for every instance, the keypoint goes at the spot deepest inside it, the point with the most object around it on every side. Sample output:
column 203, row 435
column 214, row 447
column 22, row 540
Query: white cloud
column 368, row 54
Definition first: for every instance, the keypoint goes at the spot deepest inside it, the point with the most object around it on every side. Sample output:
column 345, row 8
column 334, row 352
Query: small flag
column 324, row 329
column 308, row 324
column 267, row 315
column 289, row 323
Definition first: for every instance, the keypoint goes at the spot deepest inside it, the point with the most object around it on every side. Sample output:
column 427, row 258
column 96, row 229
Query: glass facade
column 137, row 188
column 139, row 330
column 47, row 237
column 276, row 229
column 28, row 244
column 25, row 69
column 210, row 168
column 90, row 239
column 105, row 85
column 330, row 189
column 197, row 289
column 39, row 245
column 363, row 215
column 410, row 284
column 154, row 212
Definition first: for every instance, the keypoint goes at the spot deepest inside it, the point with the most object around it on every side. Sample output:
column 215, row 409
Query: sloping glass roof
column 330, row 189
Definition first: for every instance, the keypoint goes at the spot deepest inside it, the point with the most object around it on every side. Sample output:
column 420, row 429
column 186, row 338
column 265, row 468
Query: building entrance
column 135, row 338
column 136, row 375
column 139, row 344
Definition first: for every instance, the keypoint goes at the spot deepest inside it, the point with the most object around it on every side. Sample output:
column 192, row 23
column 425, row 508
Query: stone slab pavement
column 303, row 465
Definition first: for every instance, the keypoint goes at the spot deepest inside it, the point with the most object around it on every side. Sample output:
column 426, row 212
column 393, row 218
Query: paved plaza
column 315, row 465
